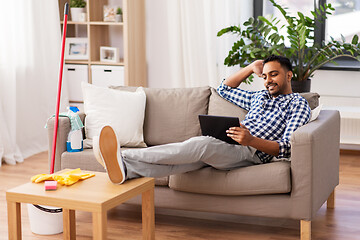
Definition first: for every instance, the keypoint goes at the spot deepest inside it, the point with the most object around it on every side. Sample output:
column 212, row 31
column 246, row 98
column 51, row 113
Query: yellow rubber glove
column 41, row 177
column 67, row 178
column 71, row 177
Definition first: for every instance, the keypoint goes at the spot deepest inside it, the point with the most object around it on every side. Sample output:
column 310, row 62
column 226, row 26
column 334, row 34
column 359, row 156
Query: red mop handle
column 66, row 11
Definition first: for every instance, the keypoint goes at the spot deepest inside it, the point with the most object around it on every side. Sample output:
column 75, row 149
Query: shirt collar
column 281, row 97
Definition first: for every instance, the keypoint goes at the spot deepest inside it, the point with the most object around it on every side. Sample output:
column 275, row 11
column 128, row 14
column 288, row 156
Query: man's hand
column 240, row 134
column 257, row 67
column 243, row 136
column 237, row 78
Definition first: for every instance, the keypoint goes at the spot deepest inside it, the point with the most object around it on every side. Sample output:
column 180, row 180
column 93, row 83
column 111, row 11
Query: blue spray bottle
column 75, row 138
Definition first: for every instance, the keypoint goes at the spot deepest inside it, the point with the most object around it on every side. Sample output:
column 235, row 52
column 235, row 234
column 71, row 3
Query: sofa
column 293, row 189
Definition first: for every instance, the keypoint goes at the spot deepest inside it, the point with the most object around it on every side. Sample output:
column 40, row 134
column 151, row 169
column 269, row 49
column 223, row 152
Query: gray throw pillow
column 220, row 107
column 311, row 98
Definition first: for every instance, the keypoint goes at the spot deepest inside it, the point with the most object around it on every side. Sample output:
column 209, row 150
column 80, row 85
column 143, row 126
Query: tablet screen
column 216, row 126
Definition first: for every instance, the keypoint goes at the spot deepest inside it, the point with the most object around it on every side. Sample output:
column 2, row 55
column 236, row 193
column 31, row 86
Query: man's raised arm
column 237, row 78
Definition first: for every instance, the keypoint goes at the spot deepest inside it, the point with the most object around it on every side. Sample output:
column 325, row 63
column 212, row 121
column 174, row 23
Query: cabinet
column 75, row 74
column 105, row 76
column 128, row 36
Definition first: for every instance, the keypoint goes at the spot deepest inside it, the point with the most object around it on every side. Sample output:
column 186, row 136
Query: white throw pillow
column 315, row 113
column 123, row 111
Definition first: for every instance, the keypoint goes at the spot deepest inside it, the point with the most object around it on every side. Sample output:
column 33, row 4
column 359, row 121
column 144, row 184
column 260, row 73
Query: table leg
column 14, row 220
column 148, row 215
column 99, row 225
column 69, row 224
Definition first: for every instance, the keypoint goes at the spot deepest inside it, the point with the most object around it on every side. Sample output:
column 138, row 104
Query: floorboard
column 124, row 222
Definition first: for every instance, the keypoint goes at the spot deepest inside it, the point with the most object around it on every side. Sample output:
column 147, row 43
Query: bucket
column 45, row 220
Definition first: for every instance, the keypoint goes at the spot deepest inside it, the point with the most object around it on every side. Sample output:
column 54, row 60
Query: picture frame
column 110, row 13
column 109, row 54
column 77, row 48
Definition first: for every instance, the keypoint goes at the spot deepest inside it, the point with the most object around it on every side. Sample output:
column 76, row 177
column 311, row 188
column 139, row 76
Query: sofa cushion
column 86, row 161
column 220, row 107
column 171, row 115
column 124, row 111
column 311, row 98
column 270, row 178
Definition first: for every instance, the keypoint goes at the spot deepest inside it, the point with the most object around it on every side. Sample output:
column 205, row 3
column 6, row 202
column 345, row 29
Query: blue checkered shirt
column 270, row 118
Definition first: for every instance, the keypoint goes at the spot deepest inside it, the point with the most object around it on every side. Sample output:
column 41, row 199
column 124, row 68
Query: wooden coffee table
column 96, row 195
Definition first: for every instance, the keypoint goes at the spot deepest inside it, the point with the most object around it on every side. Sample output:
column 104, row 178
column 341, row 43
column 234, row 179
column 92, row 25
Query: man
column 273, row 114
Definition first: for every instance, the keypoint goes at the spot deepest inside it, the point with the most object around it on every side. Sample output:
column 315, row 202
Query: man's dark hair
column 284, row 61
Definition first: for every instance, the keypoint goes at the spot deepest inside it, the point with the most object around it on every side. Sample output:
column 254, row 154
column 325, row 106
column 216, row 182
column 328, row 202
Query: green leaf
column 228, row 29
column 343, row 38
column 355, row 39
column 264, row 20
column 247, row 23
column 301, row 16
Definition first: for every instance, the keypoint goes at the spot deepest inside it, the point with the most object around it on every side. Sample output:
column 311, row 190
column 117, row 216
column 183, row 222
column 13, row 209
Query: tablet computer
column 216, row 126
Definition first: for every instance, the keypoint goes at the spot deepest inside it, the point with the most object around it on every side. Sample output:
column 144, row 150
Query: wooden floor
column 124, row 222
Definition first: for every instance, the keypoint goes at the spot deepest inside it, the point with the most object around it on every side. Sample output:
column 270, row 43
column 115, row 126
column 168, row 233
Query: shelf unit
column 132, row 31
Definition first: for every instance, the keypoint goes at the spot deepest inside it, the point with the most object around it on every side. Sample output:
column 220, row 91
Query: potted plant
column 260, row 38
column 119, row 13
column 77, row 7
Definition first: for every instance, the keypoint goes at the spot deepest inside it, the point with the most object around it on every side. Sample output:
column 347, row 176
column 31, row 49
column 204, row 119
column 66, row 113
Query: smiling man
column 273, row 114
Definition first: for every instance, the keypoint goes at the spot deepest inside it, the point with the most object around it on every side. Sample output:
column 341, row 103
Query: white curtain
column 196, row 53
column 29, row 66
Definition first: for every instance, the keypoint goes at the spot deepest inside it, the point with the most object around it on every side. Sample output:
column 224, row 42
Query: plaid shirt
column 269, row 118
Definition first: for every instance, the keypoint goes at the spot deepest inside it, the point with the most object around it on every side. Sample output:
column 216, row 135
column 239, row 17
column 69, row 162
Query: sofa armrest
column 82, row 116
column 63, row 132
column 315, row 150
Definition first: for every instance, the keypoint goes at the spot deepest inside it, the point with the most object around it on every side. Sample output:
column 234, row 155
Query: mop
column 70, row 177
column 51, row 185
column 56, row 125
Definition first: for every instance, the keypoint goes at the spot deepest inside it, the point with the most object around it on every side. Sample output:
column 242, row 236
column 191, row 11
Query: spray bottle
column 75, row 137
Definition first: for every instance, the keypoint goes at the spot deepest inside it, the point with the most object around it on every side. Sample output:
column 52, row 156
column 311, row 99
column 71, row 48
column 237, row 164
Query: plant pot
column 76, row 14
column 301, row 86
column 118, row 18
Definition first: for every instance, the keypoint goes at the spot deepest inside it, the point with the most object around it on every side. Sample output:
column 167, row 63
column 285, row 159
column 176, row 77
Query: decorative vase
column 301, row 86
column 76, row 14
column 118, row 18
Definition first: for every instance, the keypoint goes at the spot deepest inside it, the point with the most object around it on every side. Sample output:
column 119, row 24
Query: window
column 344, row 20
column 304, row 6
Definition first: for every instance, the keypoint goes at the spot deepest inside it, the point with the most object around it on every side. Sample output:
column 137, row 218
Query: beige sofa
column 293, row 190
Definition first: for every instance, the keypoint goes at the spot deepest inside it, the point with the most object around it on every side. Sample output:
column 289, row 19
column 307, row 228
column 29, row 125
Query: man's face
column 276, row 79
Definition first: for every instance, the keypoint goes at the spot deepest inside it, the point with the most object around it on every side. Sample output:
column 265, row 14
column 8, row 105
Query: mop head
column 67, row 178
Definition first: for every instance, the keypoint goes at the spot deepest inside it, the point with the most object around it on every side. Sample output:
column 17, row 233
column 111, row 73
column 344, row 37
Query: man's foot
column 107, row 151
